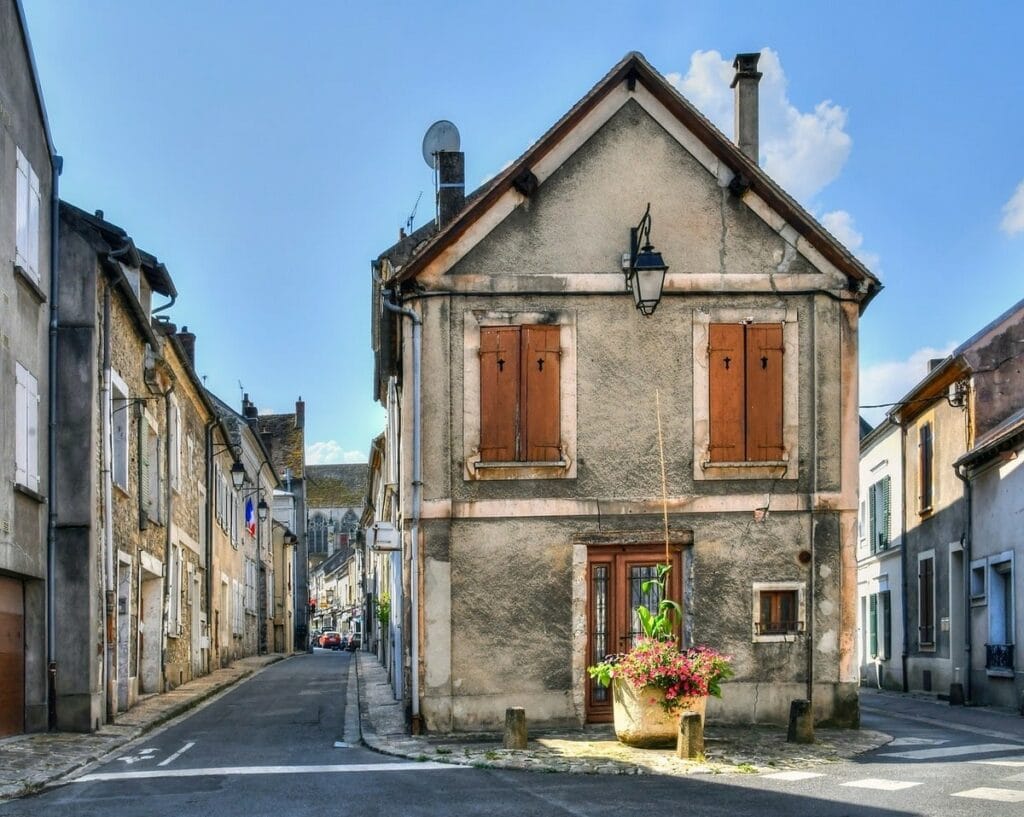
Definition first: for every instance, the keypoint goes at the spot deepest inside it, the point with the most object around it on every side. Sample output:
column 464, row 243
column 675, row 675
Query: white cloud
column 331, row 452
column 840, row 224
column 1013, row 212
column 885, row 383
column 802, row 150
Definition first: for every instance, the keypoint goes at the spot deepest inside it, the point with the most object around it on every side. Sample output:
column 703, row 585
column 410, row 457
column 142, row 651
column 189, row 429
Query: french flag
column 250, row 517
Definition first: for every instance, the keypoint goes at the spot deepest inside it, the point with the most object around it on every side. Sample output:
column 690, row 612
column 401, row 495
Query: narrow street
column 285, row 743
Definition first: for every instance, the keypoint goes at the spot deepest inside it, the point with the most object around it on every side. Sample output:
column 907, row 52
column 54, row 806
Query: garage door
column 12, row 656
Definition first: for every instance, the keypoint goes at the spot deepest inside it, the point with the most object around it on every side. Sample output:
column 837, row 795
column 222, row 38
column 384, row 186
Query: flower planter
column 642, row 721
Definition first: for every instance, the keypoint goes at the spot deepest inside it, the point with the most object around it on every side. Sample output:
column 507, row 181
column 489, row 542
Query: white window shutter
column 21, row 208
column 145, row 486
column 33, row 224
column 21, row 427
column 32, row 416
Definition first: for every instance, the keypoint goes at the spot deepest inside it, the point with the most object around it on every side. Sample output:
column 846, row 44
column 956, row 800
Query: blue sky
column 266, row 151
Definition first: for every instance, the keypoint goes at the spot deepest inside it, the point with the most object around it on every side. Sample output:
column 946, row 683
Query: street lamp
column 645, row 273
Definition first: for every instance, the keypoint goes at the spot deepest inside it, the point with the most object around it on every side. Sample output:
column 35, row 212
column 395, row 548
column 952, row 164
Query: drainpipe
column 57, row 165
column 903, row 553
column 812, row 563
column 109, row 593
column 169, row 536
column 208, row 532
column 968, row 524
column 417, row 488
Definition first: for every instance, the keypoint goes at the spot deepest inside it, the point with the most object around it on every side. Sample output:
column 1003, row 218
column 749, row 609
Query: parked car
column 353, row 644
column 330, row 640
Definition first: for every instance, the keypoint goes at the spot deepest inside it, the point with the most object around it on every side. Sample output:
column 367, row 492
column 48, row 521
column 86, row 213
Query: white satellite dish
column 441, row 137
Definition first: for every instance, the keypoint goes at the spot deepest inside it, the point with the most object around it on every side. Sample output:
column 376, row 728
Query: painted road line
column 177, row 754
column 792, row 775
column 868, row 783
column 250, row 770
column 917, row 742
column 1015, row 763
column 999, row 795
column 951, row 751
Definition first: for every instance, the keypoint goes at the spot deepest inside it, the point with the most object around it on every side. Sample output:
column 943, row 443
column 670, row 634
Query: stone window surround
column 787, row 468
column 801, row 609
column 473, row 321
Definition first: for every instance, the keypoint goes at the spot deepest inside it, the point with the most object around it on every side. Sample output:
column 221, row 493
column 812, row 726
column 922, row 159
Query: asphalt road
column 268, row 747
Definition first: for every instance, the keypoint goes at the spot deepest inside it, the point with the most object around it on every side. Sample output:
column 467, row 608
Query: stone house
column 527, row 382
column 284, row 435
column 29, row 168
column 244, row 540
column 880, row 559
column 956, row 426
column 282, row 608
column 131, row 540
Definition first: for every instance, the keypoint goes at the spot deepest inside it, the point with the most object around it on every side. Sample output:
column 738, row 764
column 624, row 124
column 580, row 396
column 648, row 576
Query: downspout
column 166, row 306
column 417, row 488
column 169, row 536
column 812, row 362
column 904, row 567
column 208, row 533
column 968, row 524
column 57, row 165
column 106, row 470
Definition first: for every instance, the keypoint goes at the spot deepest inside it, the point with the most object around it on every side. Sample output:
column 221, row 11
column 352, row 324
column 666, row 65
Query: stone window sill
column 30, row 283
column 24, row 490
column 761, row 469
column 558, row 469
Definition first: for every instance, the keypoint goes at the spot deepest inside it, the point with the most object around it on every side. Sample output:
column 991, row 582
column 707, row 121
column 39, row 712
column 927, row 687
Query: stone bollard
column 801, row 722
column 956, row 694
column 690, row 743
column 515, row 728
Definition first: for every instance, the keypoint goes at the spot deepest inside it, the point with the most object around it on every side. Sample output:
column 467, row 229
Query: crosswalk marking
column 792, row 775
column 951, row 751
column 881, row 785
column 917, row 742
column 987, row 793
column 249, row 770
column 1007, row 761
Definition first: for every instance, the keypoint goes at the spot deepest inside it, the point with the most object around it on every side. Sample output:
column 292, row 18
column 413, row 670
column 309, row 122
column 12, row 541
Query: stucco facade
column 501, row 563
column 26, row 189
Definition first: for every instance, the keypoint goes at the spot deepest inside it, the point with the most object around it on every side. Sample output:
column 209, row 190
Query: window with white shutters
column 119, row 424
column 174, row 432
column 26, row 459
column 27, row 214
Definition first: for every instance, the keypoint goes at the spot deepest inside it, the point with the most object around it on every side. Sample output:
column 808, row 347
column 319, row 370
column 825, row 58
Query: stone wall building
column 528, row 381
column 28, row 189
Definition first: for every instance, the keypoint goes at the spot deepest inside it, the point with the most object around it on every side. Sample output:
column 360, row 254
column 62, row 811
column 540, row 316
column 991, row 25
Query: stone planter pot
column 642, row 721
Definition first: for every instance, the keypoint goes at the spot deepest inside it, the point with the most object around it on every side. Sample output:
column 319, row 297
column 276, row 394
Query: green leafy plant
column 663, row 623
column 384, row 608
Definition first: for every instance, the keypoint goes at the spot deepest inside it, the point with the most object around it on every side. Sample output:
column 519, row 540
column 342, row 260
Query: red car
column 330, row 640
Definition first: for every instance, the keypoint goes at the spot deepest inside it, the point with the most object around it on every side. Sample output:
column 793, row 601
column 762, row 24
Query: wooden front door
column 12, row 656
column 615, row 577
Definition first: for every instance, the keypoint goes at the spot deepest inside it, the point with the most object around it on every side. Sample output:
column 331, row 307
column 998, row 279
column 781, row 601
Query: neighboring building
column 283, row 605
column 530, row 504
column 244, row 518
column 958, row 559
column 334, row 503
column 28, row 183
column 285, row 437
column 880, row 643
column 130, row 504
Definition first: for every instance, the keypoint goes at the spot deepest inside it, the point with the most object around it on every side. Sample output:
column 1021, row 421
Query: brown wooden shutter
column 764, row 392
column 499, row 392
column 726, row 388
column 541, row 413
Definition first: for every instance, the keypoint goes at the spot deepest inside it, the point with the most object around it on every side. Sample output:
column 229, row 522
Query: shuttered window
column 27, row 215
column 879, row 502
column 925, row 455
column 745, row 392
column 520, row 382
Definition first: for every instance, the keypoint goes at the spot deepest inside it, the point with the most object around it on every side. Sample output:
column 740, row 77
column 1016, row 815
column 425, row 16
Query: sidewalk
column 28, row 762
column 594, row 749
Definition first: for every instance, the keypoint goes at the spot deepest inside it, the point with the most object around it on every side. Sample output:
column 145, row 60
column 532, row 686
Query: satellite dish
column 441, row 137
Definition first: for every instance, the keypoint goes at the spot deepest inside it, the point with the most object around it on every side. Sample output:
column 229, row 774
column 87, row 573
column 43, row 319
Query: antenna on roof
column 241, row 389
column 412, row 215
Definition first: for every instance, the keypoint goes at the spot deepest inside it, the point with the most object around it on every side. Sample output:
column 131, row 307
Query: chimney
column 188, row 343
column 745, row 103
column 451, row 186
column 249, row 409
column 300, row 414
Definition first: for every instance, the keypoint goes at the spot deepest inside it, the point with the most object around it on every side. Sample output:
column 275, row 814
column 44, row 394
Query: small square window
column 978, row 583
column 779, row 610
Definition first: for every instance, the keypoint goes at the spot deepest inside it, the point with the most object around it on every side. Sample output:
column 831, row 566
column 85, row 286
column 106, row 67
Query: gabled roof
column 233, row 422
column 1004, row 437
column 336, row 486
column 412, row 254
column 286, row 443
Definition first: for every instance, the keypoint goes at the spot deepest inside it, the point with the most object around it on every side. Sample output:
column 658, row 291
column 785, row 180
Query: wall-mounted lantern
column 645, row 273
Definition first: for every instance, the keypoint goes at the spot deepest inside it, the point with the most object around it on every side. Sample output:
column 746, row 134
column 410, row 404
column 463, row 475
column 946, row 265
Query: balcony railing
column 999, row 656
column 779, row 627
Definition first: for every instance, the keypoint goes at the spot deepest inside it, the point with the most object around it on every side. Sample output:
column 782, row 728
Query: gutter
column 966, row 541
column 417, row 489
column 57, row 165
column 905, row 611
